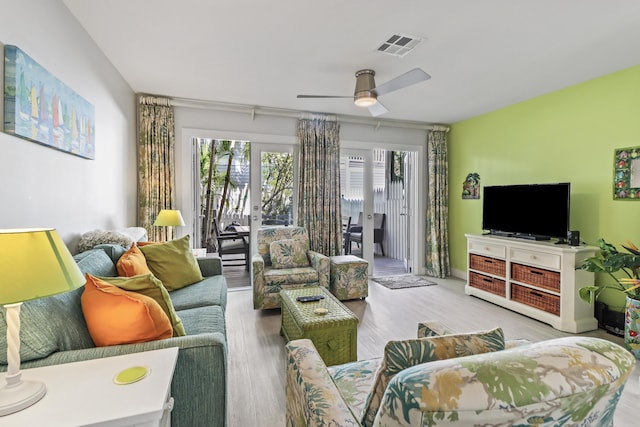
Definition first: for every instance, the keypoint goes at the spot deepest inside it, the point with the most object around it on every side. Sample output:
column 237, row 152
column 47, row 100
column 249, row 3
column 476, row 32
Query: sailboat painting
column 39, row 107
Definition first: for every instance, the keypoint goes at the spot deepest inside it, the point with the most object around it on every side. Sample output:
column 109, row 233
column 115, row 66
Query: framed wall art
column 471, row 186
column 41, row 108
column 626, row 174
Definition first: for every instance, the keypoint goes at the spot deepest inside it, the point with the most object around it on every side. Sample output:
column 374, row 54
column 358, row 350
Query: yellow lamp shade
column 35, row 263
column 169, row 218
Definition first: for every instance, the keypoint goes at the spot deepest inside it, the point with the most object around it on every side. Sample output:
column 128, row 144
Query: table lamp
column 22, row 280
column 169, row 218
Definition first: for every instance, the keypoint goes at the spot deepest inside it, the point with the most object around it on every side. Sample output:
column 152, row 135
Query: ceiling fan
column 366, row 93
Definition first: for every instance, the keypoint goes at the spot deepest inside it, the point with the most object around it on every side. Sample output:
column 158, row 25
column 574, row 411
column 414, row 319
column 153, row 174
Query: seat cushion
column 355, row 380
column 47, row 325
column 203, row 320
column 210, row 291
column 275, row 278
column 237, row 244
column 96, row 262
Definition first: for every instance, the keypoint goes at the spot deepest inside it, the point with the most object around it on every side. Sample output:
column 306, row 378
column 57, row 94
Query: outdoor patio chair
column 232, row 243
column 355, row 232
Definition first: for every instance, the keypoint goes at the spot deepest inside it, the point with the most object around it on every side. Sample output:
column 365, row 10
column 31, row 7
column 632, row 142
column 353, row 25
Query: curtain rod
column 282, row 112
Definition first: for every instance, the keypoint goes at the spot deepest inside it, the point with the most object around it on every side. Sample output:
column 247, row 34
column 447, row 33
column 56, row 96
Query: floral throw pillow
column 288, row 253
column 400, row 355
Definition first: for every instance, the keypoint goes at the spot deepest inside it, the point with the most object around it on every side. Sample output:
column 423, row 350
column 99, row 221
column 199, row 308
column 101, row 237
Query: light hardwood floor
column 257, row 356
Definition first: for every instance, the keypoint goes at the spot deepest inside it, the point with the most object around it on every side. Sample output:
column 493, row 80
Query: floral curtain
column 437, row 233
column 156, row 164
column 319, row 209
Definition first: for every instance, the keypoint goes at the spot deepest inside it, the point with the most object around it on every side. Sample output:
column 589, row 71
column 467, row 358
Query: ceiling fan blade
column 323, row 96
column 407, row 79
column 377, row 109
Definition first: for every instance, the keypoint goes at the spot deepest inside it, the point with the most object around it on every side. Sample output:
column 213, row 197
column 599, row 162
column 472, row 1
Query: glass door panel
column 221, row 187
column 356, row 184
column 273, row 177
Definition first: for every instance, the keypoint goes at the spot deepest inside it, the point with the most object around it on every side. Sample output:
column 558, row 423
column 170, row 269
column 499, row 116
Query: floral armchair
column 284, row 261
column 460, row 380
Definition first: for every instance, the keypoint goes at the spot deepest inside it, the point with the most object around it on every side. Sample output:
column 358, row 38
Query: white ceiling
column 482, row 55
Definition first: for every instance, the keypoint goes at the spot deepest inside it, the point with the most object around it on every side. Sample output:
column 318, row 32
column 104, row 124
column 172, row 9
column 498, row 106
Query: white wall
column 43, row 187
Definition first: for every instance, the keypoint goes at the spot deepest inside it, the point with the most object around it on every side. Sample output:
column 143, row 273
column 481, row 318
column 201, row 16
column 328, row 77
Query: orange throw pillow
column 132, row 263
column 140, row 244
column 115, row 316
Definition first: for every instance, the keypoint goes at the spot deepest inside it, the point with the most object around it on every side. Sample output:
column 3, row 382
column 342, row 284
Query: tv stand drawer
column 488, row 248
column 488, row 265
column 539, row 259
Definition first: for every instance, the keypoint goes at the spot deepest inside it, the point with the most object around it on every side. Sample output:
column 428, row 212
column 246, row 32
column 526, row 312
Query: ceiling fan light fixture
column 363, row 95
column 365, row 100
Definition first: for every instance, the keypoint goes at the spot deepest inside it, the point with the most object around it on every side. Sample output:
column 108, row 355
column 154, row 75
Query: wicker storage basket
column 540, row 300
column 334, row 334
column 536, row 276
column 487, row 284
column 488, row 265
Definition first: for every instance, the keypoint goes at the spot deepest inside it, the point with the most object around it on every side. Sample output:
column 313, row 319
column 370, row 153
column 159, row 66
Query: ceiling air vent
column 399, row 45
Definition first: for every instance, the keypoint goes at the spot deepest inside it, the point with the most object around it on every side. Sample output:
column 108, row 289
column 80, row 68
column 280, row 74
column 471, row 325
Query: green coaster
column 131, row 375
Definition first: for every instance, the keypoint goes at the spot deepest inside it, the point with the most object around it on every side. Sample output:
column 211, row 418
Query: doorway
column 240, row 186
column 378, row 190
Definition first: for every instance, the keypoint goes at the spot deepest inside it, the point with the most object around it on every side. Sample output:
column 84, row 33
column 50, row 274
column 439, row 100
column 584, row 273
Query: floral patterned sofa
column 460, row 380
column 285, row 261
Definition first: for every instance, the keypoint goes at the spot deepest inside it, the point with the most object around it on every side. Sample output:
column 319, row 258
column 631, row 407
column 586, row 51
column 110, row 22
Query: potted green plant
column 624, row 270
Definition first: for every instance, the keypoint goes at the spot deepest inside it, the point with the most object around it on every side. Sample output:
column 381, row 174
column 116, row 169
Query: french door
column 255, row 186
column 274, row 175
column 377, row 182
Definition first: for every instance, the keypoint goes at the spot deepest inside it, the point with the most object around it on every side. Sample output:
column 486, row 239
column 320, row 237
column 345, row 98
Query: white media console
column 535, row 278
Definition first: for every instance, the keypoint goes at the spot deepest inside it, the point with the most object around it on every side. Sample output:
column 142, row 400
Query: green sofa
column 53, row 331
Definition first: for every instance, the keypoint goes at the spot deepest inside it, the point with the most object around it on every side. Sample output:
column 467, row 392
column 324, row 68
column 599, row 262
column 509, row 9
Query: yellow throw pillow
column 115, row 316
column 132, row 263
column 173, row 263
column 152, row 287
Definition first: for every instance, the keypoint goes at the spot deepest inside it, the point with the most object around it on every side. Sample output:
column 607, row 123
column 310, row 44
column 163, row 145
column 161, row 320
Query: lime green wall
column 564, row 136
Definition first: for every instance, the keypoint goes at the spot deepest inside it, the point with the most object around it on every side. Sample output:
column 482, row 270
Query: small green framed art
column 626, row 174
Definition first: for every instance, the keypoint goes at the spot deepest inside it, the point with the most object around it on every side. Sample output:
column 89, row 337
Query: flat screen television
column 530, row 211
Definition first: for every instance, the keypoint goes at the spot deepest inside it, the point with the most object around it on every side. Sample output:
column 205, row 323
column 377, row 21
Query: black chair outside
column 355, row 232
column 232, row 243
column 346, row 242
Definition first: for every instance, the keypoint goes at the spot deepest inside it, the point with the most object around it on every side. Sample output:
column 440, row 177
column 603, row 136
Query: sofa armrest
column 210, row 265
column 312, row 397
column 321, row 264
column 199, row 384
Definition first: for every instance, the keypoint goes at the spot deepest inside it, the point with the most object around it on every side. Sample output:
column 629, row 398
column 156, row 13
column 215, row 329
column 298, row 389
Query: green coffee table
column 335, row 334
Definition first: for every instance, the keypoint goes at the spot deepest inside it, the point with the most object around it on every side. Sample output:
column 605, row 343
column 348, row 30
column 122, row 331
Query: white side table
column 85, row 394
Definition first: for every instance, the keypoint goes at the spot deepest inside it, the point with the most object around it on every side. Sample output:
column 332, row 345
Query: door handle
column 369, row 216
